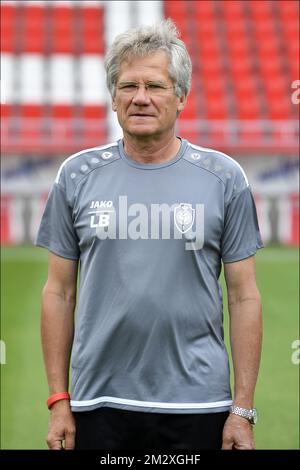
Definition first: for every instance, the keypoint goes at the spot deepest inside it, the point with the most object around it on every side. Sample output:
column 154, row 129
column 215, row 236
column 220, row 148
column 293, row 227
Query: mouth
column 141, row 115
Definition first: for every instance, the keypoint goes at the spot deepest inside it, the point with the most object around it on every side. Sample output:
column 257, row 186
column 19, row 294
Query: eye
column 128, row 87
column 155, row 87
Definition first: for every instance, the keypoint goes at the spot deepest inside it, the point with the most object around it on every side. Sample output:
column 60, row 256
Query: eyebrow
column 149, row 82
column 127, row 83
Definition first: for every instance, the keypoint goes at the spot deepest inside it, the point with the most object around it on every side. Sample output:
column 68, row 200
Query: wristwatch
column 250, row 415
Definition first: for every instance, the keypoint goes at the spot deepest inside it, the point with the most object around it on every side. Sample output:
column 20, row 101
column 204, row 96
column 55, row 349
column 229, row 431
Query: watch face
column 254, row 416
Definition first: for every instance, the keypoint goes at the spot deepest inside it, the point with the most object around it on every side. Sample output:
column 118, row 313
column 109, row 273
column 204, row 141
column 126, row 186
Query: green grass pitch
column 24, row 390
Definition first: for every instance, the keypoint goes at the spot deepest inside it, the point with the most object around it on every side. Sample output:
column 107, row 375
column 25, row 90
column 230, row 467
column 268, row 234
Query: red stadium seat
column 33, row 29
column 92, row 28
column 8, row 31
column 93, row 126
column 27, row 128
column 289, row 9
column 5, row 220
column 216, row 107
column 62, row 30
column 248, row 109
column 232, row 10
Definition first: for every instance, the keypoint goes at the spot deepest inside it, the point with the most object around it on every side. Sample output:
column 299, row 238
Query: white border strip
column 114, row 144
column 151, row 404
column 197, row 147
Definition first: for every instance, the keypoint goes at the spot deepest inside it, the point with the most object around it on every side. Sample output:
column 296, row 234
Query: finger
column 54, row 444
column 227, row 444
column 243, row 447
column 70, row 440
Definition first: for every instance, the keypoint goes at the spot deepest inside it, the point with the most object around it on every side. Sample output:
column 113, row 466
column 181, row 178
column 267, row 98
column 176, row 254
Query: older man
column 150, row 218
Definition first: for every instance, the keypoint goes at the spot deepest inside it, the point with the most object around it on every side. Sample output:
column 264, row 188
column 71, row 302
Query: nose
column 141, row 96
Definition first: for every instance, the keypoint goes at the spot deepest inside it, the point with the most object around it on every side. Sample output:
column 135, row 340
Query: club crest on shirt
column 184, row 216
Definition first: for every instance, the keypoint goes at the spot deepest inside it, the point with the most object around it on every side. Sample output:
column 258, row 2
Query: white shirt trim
column 114, row 144
column 151, row 404
column 197, row 147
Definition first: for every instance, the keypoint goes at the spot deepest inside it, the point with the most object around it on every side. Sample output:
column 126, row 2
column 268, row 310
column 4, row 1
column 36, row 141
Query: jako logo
column 100, row 204
column 101, row 217
column 156, row 222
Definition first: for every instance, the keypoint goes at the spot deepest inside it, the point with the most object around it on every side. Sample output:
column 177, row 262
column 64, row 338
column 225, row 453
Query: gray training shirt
column 150, row 239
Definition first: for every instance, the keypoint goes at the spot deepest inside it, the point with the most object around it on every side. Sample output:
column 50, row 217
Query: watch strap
column 243, row 412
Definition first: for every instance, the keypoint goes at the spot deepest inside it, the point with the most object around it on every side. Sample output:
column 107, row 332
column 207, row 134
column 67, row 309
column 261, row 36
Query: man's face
column 145, row 99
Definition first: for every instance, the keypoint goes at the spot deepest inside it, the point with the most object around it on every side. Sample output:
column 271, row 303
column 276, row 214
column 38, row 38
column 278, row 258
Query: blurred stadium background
column 244, row 102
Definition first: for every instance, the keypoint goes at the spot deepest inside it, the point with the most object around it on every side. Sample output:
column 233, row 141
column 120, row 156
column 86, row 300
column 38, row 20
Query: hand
column 61, row 431
column 237, row 434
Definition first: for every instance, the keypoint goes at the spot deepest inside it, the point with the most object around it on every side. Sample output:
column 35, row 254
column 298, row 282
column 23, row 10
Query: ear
column 181, row 103
column 114, row 104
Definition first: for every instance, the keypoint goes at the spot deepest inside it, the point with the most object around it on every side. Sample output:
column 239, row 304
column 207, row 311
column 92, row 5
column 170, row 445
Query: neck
column 151, row 150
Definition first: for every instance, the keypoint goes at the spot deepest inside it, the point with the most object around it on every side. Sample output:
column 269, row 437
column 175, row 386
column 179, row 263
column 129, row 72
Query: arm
column 57, row 329
column 244, row 306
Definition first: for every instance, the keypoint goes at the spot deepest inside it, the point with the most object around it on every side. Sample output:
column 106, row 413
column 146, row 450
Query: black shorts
column 116, row 429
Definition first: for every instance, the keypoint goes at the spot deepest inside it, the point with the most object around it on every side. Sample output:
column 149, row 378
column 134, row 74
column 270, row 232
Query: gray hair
column 139, row 42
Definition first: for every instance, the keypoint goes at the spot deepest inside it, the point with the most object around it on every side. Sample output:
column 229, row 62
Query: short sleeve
column 241, row 237
column 56, row 231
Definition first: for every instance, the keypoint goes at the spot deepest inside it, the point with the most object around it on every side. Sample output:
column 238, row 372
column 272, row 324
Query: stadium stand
column 52, row 64
column 245, row 57
column 54, row 100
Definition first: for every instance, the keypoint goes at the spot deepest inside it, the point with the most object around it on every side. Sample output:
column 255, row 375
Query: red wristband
column 56, row 397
